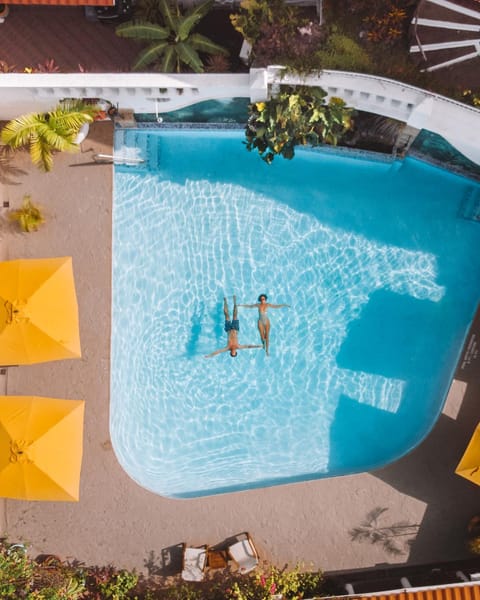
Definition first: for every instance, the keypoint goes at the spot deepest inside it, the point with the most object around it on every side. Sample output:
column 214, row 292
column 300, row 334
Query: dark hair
column 233, row 355
column 262, row 296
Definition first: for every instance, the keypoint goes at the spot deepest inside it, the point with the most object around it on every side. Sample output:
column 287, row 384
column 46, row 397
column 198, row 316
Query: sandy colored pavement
column 118, row 522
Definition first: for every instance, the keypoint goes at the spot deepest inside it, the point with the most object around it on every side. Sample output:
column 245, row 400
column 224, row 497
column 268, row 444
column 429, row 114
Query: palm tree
column 174, row 42
column 45, row 133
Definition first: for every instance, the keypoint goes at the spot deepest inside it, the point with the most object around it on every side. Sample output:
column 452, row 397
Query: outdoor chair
column 244, row 553
column 194, row 563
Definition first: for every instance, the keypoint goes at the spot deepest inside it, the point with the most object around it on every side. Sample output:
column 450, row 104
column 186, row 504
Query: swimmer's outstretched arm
column 278, row 305
column 219, row 351
column 248, row 305
column 243, row 346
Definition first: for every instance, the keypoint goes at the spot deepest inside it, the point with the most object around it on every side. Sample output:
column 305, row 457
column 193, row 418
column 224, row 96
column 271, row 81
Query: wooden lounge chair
column 244, row 553
column 194, row 563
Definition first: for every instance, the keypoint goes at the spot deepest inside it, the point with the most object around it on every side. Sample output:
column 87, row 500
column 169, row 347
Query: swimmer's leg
column 235, row 309
column 261, row 331
column 267, row 337
column 225, row 310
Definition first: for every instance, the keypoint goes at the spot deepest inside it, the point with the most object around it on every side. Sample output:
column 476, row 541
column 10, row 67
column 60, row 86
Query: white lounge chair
column 194, row 563
column 244, row 554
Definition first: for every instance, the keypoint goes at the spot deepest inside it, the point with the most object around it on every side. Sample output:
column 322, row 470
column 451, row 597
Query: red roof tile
column 460, row 592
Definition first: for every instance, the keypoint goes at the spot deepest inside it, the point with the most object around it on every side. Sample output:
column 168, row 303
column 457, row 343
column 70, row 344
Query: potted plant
column 29, row 217
column 45, row 133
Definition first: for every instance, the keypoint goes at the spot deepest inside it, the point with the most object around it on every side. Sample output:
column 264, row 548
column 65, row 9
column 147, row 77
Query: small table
column 217, row 559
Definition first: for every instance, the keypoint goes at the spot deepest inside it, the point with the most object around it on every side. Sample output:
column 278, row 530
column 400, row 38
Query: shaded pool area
column 379, row 261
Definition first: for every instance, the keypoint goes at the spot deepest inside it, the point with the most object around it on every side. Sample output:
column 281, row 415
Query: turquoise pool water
column 379, row 262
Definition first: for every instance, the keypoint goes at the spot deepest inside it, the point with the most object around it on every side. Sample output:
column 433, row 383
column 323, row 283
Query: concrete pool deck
column 118, row 522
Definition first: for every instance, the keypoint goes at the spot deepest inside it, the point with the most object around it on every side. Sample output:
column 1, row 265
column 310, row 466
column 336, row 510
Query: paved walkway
column 118, row 522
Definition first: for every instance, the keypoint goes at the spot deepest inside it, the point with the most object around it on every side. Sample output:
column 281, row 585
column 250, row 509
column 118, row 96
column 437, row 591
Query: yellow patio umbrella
column 38, row 311
column 41, row 444
column 469, row 465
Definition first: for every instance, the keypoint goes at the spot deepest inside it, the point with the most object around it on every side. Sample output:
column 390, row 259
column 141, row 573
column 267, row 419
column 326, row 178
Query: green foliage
column 46, row 133
column 119, row 585
column 256, row 15
column 16, row 572
column 387, row 24
column 29, row 217
column 174, row 43
column 72, row 589
column 296, row 116
column 473, row 98
column 186, row 591
column 278, row 33
column 343, row 53
column 49, row 578
column 290, row 585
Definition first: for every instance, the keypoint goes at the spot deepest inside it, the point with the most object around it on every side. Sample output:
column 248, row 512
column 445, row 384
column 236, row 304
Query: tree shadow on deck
column 428, row 474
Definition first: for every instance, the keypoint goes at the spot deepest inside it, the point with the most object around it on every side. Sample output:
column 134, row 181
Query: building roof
column 63, row 2
column 455, row 592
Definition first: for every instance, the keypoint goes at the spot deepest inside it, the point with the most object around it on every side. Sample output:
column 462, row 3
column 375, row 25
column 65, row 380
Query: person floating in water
column 263, row 320
column 232, row 328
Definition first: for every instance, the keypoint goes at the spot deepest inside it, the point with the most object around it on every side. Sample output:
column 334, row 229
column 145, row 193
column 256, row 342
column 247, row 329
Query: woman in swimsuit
column 263, row 320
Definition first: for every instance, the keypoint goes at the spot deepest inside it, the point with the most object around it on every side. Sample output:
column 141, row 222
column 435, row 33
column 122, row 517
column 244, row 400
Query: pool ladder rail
column 137, row 149
column 120, row 159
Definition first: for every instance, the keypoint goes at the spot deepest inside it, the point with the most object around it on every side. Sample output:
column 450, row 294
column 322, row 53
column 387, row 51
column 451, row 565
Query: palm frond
column 169, row 60
column 149, row 55
column 40, row 153
column 185, row 26
column 77, row 105
column 200, row 10
column 188, row 55
column 17, row 133
column 204, row 44
column 142, row 30
column 61, row 141
column 168, row 14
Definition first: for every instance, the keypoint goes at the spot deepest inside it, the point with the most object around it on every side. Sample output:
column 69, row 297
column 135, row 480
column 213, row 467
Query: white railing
column 148, row 93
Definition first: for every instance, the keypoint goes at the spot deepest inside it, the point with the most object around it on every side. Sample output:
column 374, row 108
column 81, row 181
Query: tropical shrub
column 278, row 33
column 29, row 217
column 255, row 15
column 6, row 68
column 343, row 53
column 296, row 116
column 50, row 578
column 46, row 133
column 16, row 572
column 274, row 582
column 174, row 44
column 471, row 97
column 386, row 26
column 217, row 63
column 118, row 586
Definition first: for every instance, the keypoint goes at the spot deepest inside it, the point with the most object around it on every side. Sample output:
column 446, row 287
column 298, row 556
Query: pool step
column 144, row 147
column 470, row 206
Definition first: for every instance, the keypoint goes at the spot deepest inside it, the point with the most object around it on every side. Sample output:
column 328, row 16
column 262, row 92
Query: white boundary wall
column 21, row 93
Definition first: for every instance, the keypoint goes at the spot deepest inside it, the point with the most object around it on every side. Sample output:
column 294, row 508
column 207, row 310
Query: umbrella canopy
column 469, row 466
column 38, row 311
column 41, row 443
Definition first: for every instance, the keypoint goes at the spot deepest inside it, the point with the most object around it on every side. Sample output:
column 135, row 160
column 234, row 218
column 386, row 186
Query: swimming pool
column 379, row 261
